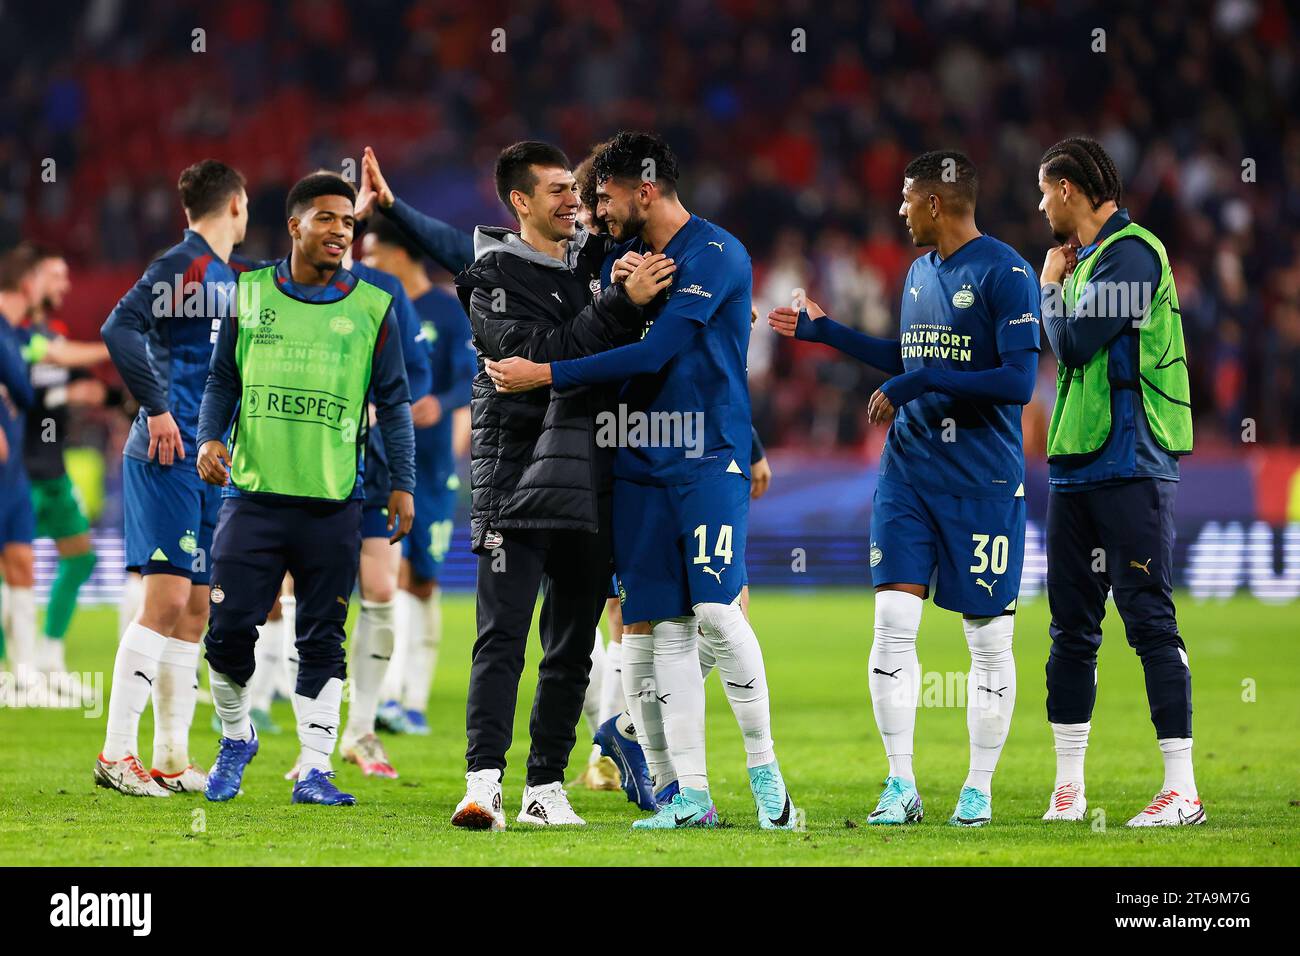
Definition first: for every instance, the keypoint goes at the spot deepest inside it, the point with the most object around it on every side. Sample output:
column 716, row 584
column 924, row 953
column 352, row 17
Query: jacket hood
column 489, row 239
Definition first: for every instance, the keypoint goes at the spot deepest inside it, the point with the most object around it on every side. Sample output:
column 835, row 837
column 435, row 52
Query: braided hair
column 1085, row 163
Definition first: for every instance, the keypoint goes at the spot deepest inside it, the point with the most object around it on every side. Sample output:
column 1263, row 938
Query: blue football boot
column 317, row 786
column 391, row 718
column 899, row 803
column 775, row 810
column 417, row 724
column 665, row 796
column 630, row 760
column 974, row 809
column 227, row 773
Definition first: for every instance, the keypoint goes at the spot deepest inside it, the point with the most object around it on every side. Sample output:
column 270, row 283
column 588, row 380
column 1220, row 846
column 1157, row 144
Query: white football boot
column 1067, row 803
column 1169, row 808
column 127, row 776
column 548, row 806
column 481, row 807
column 190, row 780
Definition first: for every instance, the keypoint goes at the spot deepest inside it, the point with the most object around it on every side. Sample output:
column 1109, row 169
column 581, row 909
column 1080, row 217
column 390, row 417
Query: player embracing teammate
column 680, row 514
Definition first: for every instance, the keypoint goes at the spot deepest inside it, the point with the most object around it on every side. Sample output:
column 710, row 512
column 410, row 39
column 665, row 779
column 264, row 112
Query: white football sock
column 287, row 679
column 895, row 676
column 1071, row 747
column 679, row 688
column 1178, row 766
column 591, row 700
column 129, row 603
column 175, row 692
column 643, row 706
column 232, row 704
column 611, row 682
column 51, row 659
column 318, row 721
column 134, row 671
column 266, row 656
column 707, row 660
column 739, row 659
column 399, row 655
column 423, row 639
column 20, row 631
column 372, row 649
column 990, row 694
column 289, row 625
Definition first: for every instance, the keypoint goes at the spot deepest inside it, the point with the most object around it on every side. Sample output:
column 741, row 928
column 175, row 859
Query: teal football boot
column 689, row 808
column 775, row 810
column 974, row 809
column 899, row 803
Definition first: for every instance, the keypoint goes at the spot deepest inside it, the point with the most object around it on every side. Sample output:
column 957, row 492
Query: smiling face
column 322, row 232
column 918, row 211
column 1055, row 205
column 551, row 209
column 622, row 207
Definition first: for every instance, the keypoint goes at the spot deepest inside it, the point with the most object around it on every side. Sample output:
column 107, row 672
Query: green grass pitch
column 1245, row 661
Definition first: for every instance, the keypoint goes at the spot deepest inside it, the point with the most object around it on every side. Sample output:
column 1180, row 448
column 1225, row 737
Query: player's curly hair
column 946, row 171
column 1085, row 163
column 637, row 156
column 322, row 183
column 585, row 174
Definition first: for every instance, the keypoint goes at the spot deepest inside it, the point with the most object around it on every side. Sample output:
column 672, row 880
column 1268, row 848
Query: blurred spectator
column 793, row 121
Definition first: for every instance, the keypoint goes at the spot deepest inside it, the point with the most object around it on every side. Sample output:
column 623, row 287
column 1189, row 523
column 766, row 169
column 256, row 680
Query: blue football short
column 680, row 545
column 17, row 519
column 968, row 551
column 430, row 538
column 170, row 513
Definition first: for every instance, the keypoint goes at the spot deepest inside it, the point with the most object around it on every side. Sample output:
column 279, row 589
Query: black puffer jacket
column 533, row 456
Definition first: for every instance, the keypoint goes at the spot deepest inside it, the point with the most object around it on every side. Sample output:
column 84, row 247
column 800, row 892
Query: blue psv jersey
column 161, row 335
column 706, row 382
column 963, row 313
column 445, row 334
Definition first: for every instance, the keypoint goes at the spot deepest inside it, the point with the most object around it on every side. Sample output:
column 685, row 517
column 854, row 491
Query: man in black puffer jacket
column 540, row 483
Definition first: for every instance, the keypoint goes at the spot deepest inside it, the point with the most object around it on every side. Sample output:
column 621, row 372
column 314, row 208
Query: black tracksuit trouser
column 572, row 569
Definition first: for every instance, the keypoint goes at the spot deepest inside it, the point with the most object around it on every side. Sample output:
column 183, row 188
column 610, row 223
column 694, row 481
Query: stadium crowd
column 796, row 120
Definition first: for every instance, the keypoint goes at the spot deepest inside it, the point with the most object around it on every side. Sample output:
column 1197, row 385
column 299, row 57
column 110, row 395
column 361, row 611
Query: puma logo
column 1144, row 568
column 321, row 727
column 749, row 686
column 893, row 673
column 990, row 690
column 664, row 698
column 557, row 297
column 980, row 582
column 1021, row 269
column 718, row 244
column 141, row 675
column 916, row 292
column 716, row 574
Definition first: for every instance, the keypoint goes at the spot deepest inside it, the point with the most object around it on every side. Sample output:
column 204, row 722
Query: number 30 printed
column 997, row 561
